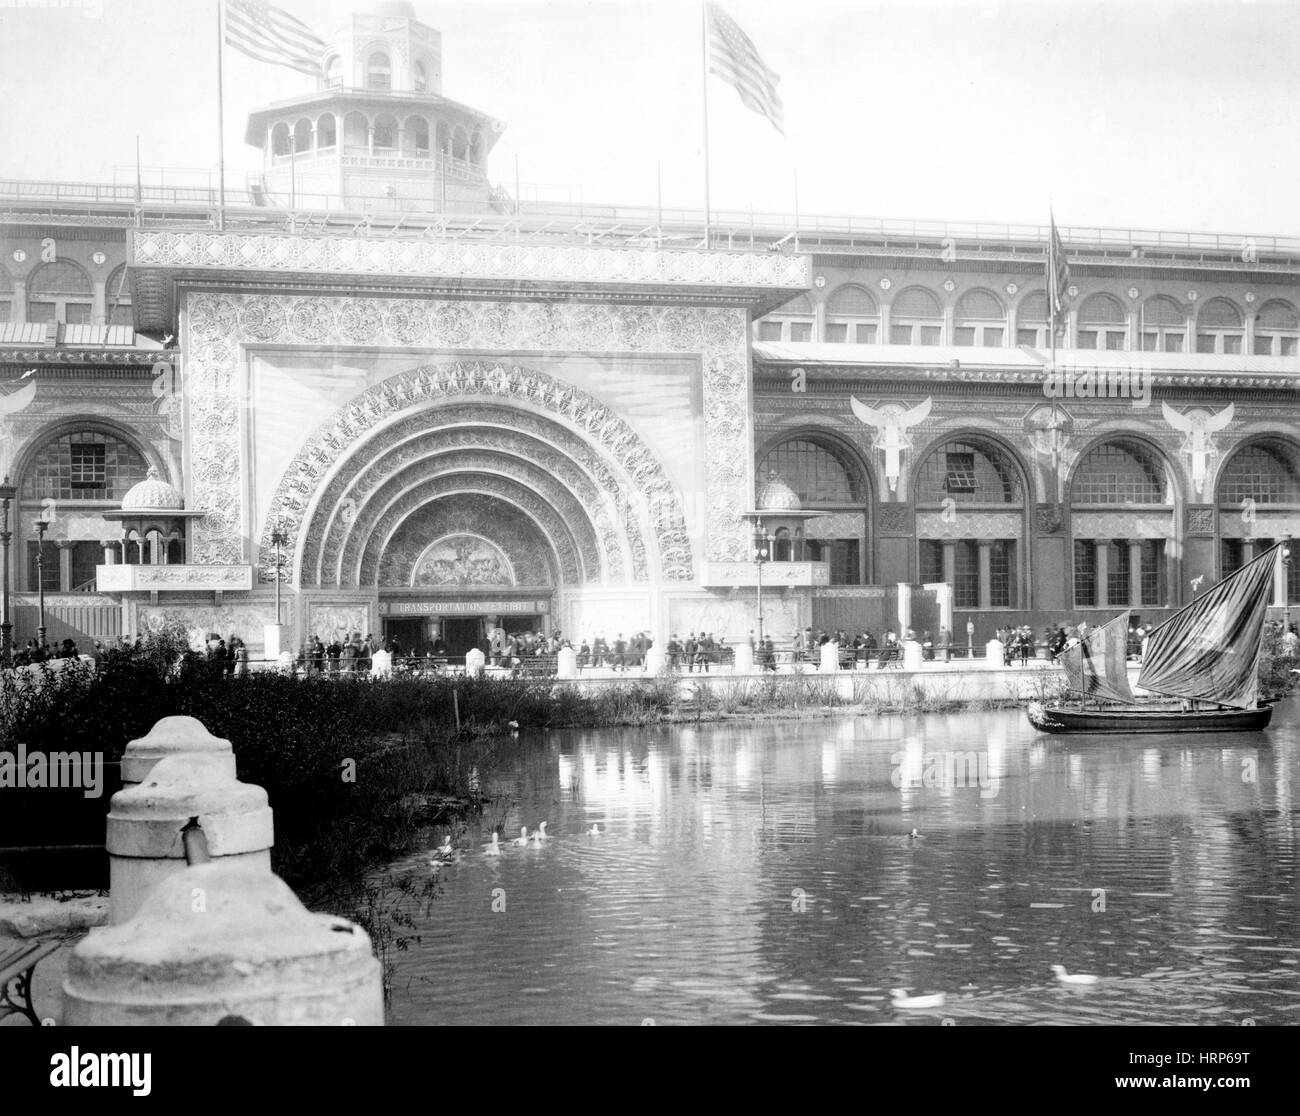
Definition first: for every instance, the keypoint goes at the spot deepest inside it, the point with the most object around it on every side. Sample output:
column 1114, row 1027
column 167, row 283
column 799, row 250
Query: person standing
column 692, row 648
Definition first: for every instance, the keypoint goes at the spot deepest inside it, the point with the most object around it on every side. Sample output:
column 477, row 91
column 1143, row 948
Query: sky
column 1158, row 114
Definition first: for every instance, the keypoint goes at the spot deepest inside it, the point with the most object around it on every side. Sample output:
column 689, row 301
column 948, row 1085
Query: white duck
column 494, row 849
column 594, row 831
column 904, row 1002
column 1076, row 978
column 539, row 834
column 522, row 839
column 443, row 854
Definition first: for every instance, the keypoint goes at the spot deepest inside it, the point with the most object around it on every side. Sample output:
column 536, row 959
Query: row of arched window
column 379, row 134
column 1123, row 471
column 916, row 316
column 378, row 73
column 62, row 291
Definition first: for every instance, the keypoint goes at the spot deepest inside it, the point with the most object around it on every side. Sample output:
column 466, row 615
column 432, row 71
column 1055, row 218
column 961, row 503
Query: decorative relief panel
column 530, row 556
column 969, row 525
column 1048, row 518
column 216, row 324
column 894, row 520
column 460, row 259
column 1123, row 525
column 1265, row 525
column 1199, row 521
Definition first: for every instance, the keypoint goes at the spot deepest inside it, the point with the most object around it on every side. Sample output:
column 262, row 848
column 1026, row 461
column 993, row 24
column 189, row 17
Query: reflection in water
column 766, row 872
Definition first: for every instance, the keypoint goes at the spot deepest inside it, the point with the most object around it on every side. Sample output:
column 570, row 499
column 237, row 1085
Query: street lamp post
column 41, row 527
column 7, row 493
column 1286, row 585
column 762, row 551
column 278, row 540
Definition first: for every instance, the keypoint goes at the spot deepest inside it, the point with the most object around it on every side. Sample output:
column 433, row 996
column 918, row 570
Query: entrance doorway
column 408, row 632
column 461, row 633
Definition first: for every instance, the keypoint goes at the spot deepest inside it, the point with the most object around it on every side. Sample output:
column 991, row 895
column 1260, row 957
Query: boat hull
column 1128, row 721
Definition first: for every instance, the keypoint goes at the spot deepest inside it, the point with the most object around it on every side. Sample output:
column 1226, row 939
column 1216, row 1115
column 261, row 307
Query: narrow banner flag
column 1058, row 279
column 733, row 57
column 273, row 35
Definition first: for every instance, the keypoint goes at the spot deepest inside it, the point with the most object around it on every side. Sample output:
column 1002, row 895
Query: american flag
column 1058, row 279
column 273, row 35
column 733, row 58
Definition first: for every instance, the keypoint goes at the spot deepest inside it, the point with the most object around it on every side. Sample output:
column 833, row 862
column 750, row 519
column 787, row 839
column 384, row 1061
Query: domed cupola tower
column 377, row 134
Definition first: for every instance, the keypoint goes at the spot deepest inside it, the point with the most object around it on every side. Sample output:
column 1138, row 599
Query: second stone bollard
column 744, row 659
column 173, row 736
column 830, row 658
column 994, row 654
column 145, row 822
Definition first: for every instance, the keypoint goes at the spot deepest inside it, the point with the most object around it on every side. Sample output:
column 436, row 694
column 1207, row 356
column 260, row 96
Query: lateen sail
column 1096, row 666
column 1210, row 649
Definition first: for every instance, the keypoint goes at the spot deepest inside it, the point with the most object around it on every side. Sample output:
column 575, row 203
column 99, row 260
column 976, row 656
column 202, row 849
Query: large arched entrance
column 474, row 494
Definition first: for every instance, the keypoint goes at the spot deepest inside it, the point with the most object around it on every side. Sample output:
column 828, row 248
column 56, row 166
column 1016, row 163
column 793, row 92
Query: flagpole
column 221, row 131
column 704, row 73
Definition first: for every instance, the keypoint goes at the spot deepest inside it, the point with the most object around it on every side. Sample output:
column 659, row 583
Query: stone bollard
column 913, row 655
column 381, row 664
column 993, row 654
column 654, row 660
column 744, row 659
column 566, row 663
column 172, row 736
column 145, row 822
column 830, row 658
column 474, row 660
column 224, row 941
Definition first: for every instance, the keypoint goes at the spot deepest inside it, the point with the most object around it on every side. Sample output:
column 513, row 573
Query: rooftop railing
column 501, row 214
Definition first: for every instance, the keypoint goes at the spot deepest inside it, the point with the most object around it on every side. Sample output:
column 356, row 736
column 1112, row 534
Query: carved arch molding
column 218, row 326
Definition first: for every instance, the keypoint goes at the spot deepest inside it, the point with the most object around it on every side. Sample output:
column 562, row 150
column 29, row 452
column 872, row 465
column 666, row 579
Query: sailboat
column 1203, row 663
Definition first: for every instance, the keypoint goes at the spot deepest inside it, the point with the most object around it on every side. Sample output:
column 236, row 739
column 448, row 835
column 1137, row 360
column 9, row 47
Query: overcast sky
column 1172, row 114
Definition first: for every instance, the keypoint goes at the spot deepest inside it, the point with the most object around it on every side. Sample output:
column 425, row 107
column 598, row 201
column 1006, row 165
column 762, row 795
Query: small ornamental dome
column 153, row 494
column 776, row 495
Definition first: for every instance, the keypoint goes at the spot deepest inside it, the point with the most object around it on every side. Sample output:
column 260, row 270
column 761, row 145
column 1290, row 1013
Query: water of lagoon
column 765, row 873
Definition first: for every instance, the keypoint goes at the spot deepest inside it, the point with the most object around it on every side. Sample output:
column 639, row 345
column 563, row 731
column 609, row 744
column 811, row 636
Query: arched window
column 972, row 473
column 915, row 318
column 459, row 143
column 59, row 292
column 356, row 134
column 1164, row 326
column 1277, row 329
column 280, row 140
column 1103, row 323
column 825, row 481
column 817, row 475
column 1120, row 473
column 1031, row 320
column 476, row 147
column 968, row 473
column 326, row 135
column 781, row 551
column 385, row 132
column 1263, row 473
column 302, row 137
column 117, row 298
column 851, row 315
column 790, row 322
column 1219, row 327
column 334, row 72
column 443, row 134
column 417, row 136
column 84, row 465
column 379, row 71
column 420, row 74
column 980, row 319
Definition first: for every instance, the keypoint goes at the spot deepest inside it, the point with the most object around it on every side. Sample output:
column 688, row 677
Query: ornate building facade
column 425, row 408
